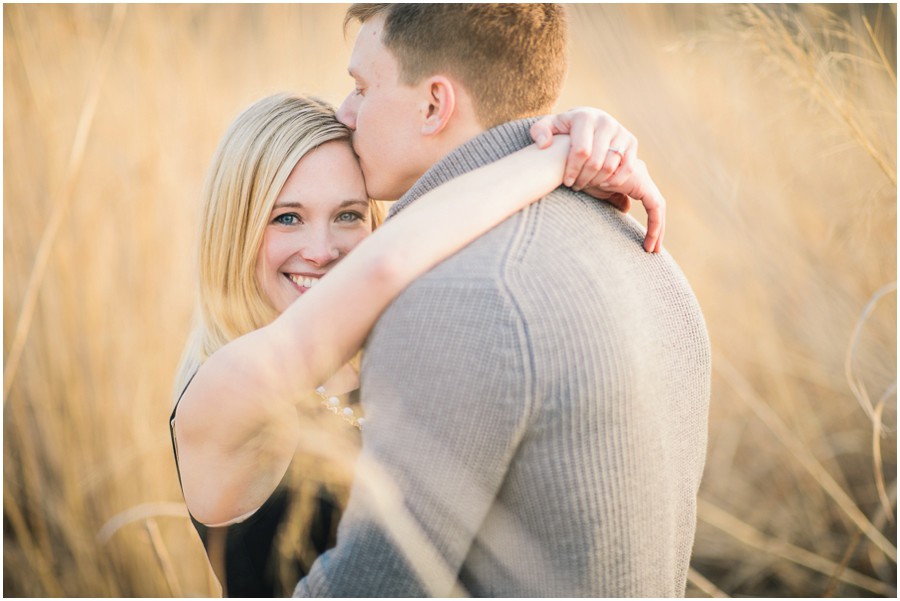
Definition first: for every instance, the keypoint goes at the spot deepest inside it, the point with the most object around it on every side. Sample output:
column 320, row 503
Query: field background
column 771, row 130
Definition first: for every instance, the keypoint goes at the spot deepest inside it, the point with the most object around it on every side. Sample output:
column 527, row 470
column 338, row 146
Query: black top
column 251, row 561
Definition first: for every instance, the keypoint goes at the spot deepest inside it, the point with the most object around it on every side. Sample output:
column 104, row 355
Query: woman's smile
column 303, row 282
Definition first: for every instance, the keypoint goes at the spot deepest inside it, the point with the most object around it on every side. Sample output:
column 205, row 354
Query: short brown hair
column 510, row 57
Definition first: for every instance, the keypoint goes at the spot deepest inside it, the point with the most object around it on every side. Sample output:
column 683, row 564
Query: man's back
column 540, row 400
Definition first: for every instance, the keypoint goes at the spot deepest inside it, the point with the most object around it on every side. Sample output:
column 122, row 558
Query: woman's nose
column 320, row 250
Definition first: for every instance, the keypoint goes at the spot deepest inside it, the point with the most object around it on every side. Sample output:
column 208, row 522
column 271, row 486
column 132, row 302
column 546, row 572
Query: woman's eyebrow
column 346, row 203
column 293, row 204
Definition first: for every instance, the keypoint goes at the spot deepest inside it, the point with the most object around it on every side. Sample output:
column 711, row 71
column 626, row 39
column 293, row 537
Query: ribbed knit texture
column 540, row 401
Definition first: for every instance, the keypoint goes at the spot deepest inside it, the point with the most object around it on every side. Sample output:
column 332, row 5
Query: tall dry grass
column 772, row 131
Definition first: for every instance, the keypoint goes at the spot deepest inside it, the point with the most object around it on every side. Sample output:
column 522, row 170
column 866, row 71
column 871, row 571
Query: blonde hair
column 249, row 168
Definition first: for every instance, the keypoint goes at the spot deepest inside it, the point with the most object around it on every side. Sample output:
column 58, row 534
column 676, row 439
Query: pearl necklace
column 333, row 404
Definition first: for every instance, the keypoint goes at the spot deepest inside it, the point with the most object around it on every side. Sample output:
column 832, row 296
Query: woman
column 284, row 203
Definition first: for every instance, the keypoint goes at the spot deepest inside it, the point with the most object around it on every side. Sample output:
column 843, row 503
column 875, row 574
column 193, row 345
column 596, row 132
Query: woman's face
column 320, row 215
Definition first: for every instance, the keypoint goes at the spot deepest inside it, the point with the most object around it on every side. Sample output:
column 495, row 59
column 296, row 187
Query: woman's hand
column 602, row 162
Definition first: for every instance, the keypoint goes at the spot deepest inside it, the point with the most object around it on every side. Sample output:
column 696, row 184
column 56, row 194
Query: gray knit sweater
column 536, row 413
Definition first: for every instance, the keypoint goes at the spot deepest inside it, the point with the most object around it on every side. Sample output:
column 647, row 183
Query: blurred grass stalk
column 63, row 200
column 771, row 129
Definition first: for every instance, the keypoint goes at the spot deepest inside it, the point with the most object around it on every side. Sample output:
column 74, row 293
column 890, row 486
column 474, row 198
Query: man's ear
column 441, row 104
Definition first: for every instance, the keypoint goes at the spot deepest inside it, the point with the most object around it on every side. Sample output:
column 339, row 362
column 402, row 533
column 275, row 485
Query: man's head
column 431, row 76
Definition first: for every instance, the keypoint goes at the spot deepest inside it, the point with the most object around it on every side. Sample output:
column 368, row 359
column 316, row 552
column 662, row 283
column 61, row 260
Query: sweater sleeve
column 445, row 382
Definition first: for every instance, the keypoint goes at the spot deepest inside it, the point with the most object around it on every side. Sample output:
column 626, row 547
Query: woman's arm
column 236, row 424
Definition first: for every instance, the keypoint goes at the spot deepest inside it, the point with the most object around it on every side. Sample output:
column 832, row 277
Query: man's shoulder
column 545, row 235
column 564, row 233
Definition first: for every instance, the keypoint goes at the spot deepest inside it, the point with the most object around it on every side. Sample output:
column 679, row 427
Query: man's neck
column 439, row 148
column 477, row 151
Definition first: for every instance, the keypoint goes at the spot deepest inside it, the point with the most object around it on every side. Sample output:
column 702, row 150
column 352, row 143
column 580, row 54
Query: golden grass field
column 771, row 130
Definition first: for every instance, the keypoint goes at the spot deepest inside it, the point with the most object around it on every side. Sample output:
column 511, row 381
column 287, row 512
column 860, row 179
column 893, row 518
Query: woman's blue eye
column 349, row 217
column 287, row 219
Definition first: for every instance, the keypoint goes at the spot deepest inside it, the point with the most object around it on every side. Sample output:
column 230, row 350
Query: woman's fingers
column 600, row 148
column 581, row 126
column 543, row 129
column 581, row 138
column 622, row 151
column 642, row 188
column 613, row 156
column 648, row 194
column 597, row 158
column 656, row 227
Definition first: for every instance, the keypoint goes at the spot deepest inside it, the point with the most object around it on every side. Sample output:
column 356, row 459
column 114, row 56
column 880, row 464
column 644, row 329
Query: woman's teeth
column 303, row 281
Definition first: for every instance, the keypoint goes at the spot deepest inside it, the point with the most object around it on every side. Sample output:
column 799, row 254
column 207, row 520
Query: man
column 535, row 405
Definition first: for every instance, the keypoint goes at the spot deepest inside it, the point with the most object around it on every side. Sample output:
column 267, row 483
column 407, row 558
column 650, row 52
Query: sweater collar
column 485, row 148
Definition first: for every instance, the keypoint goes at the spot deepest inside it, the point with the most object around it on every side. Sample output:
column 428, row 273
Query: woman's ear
column 441, row 104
